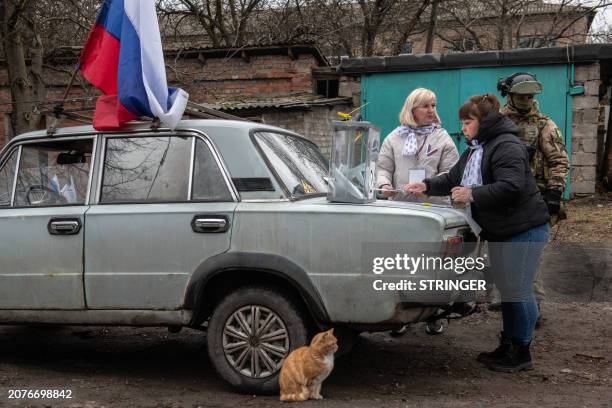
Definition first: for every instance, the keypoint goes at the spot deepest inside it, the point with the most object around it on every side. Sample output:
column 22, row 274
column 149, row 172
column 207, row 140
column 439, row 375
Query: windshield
column 298, row 162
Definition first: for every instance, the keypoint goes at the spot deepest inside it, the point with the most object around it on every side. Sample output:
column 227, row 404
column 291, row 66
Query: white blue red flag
column 123, row 58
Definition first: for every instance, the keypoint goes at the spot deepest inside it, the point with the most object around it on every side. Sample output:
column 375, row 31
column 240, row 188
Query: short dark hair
column 478, row 106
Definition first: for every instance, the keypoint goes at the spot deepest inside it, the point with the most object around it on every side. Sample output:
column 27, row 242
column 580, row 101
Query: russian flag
column 123, row 58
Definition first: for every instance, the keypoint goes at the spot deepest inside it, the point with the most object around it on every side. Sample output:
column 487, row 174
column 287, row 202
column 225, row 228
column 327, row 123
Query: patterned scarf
column 472, row 176
column 411, row 145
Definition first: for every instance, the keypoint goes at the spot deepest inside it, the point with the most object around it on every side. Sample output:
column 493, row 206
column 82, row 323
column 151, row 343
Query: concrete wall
column 585, row 123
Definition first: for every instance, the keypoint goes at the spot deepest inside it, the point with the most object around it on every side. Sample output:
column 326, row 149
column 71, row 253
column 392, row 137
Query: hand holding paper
column 417, row 189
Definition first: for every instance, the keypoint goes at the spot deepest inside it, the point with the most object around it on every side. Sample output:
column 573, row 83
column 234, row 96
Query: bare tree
column 20, row 41
column 224, row 21
column 347, row 27
column 410, row 23
column 506, row 24
column 27, row 28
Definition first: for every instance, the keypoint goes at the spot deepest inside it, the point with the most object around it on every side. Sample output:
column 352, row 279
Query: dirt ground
column 134, row 367
column 589, row 219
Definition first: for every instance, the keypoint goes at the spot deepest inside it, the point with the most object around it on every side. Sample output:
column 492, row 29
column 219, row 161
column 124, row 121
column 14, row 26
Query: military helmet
column 519, row 83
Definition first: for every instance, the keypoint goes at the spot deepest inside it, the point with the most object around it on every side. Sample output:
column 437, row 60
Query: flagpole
column 58, row 108
column 76, row 69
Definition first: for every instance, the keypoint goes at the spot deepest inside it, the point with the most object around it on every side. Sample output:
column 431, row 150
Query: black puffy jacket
column 509, row 200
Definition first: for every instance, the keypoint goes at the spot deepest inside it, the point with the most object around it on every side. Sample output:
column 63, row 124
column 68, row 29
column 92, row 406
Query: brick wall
column 217, row 80
column 208, row 80
column 584, row 130
column 313, row 123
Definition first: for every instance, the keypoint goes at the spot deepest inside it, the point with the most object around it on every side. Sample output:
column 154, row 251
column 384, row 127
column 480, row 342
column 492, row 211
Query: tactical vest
column 530, row 131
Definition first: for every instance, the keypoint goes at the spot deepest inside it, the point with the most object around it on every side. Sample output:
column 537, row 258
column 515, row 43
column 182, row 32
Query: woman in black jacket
column 493, row 179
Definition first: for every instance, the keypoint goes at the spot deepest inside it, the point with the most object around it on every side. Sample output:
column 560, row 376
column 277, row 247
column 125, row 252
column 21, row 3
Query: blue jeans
column 515, row 264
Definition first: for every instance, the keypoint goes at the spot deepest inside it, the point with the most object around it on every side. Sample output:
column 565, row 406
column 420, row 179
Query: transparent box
column 355, row 147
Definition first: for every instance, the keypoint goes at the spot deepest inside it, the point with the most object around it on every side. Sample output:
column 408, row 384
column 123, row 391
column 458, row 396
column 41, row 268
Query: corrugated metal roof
column 419, row 62
column 284, row 102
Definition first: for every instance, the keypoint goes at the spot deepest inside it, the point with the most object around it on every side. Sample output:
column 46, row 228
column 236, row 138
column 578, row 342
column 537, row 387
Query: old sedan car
column 219, row 225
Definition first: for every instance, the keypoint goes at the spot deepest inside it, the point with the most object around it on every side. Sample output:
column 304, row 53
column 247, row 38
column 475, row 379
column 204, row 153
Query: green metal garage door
column 385, row 93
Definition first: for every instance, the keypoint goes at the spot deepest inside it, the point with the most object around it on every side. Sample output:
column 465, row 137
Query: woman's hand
column 415, row 188
column 461, row 194
column 387, row 190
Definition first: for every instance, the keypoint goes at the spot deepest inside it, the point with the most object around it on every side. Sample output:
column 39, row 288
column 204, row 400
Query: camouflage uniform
column 548, row 159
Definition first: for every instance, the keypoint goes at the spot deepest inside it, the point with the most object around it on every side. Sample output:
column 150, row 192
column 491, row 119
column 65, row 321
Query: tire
column 232, row 319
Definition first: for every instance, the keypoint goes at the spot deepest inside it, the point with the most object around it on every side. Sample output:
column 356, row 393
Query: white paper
column 416, row 175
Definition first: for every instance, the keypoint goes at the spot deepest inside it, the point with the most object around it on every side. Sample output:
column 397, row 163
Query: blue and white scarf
column 472, row 176
column 411, row 145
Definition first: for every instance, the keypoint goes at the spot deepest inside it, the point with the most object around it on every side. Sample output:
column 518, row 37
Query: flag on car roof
column 123, row 58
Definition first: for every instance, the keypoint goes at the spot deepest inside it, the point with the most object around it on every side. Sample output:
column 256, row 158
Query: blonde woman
column 419, row 148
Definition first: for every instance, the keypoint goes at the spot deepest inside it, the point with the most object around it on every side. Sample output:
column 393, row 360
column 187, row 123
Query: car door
column 164, row 206
column 45, row 188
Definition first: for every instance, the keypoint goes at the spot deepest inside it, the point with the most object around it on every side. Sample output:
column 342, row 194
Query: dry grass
column 588, row 220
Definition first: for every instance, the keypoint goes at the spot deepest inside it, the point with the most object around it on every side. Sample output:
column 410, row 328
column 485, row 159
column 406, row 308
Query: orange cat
column 306, row 367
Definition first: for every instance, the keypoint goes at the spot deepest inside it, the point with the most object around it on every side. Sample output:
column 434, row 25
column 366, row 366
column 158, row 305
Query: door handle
column 210, row 223
column 64, row 226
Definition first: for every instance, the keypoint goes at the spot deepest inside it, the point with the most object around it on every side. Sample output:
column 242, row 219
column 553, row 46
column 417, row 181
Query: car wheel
column 249, row 334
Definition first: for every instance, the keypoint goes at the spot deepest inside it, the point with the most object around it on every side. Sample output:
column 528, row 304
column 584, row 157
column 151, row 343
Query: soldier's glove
column 553, row 201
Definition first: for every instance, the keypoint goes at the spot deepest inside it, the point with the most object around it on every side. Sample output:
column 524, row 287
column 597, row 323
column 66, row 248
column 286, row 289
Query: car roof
column 188, row 124
column 231, row 138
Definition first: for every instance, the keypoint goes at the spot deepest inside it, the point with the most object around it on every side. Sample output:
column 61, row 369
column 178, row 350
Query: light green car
column 219, row 225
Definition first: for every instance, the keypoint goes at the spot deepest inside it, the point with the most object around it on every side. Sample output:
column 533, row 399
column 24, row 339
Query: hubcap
column 255, row 341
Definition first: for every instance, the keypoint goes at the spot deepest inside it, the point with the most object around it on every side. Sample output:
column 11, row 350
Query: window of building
column 463, row 45
column 327, row 87
column 407, row 47
column 534, row 41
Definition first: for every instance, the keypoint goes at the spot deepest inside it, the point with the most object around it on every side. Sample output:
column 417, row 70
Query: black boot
column 488, row 357
column 516, row 358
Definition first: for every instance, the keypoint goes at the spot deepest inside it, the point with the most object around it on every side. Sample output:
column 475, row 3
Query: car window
column 208, row 182
column 53, row 173
column 7, row 175
column 298, row 163
column 146, row 169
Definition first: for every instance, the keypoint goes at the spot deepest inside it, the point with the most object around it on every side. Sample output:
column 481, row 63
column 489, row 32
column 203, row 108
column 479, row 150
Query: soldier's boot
column 489, row 357
column 516, row 358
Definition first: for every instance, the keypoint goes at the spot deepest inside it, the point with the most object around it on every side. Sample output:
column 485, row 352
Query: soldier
column 547, row 154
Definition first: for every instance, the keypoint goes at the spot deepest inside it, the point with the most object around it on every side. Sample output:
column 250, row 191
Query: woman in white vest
column 418, row 149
